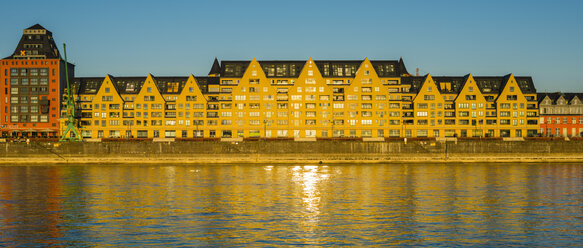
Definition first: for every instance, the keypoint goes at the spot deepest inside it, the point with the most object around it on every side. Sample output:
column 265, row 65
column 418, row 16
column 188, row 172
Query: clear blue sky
column 542, row 39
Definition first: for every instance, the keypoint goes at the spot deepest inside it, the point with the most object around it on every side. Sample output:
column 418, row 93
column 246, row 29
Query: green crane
column 71, row 127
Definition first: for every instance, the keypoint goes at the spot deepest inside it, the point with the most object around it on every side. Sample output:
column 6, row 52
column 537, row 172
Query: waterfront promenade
column 193, row 152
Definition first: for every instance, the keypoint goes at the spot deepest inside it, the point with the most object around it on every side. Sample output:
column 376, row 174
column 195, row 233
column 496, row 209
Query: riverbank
column 191, row 152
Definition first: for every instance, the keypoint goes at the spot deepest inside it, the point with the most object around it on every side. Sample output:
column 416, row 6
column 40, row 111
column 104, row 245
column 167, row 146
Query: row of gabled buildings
column 303, row 100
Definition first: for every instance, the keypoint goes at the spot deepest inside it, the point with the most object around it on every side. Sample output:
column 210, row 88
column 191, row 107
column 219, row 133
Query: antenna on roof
column 417, row 72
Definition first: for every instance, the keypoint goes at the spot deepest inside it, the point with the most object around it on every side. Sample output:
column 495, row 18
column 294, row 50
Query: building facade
column 33, row 83
column 561, row 114
column 307, row 100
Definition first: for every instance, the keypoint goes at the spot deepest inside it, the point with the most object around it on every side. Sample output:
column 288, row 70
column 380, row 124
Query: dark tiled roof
column 415, row 82
column 36, row 46
column 386, row 68
column 204, row 82
column 282, row 69
column 456, row 84
column 216, row 68
column 328, row 68
column 170, row 85
column 338, row 68
column 233, row 69
column 495, row 85
column 128, row 85
column 526, row 85
column 556, row 95
column 489, row 85
column 87, row 85
column 402, row 68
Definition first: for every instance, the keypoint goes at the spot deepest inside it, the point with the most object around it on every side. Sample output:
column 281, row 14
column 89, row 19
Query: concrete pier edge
column 332, row 152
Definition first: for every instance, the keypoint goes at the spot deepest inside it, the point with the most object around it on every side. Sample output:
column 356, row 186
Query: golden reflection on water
column 265, row 205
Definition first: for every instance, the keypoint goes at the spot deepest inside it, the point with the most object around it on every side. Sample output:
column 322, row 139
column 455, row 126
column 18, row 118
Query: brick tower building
column 33, row 81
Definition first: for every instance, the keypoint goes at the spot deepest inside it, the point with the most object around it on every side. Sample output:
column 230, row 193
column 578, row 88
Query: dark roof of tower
column 402, row 67
column 216, row 68
column 36, row 26
column 36, row 43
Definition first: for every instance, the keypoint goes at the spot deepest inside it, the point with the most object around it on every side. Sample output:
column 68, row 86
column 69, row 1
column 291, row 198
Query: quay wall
column 291, row 151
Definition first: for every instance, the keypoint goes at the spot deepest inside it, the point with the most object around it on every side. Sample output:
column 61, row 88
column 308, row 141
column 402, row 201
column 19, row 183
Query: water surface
column 291, row 205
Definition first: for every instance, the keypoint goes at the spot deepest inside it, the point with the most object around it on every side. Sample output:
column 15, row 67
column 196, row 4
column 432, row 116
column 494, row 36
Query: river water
column 273, row 205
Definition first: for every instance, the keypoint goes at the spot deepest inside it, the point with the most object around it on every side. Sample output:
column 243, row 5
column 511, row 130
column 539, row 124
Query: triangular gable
column 575, row 100
column 511, row 82
column 311, row 66
column 186, row 91
column 470, row 82
column 428, row 84
column 108, row 83
column 366, row 66
column 366, row 76
column 547, row 100
column 253, row 72
column 561, row 100
column 150, row 82
column 215, row 69
column 310, row 73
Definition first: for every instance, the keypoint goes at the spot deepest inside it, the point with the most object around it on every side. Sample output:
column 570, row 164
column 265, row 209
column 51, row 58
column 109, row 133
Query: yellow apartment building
column 306, row 100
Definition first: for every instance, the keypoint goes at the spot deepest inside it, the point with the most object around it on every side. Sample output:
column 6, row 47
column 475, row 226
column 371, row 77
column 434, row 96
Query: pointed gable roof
column 216, row 68
column 402, row 67
column 415, row 83
column 36, row 45
column 36, row 26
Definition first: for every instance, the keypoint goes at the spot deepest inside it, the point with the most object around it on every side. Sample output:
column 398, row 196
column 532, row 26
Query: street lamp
column 196, row 123
column 264, row 129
